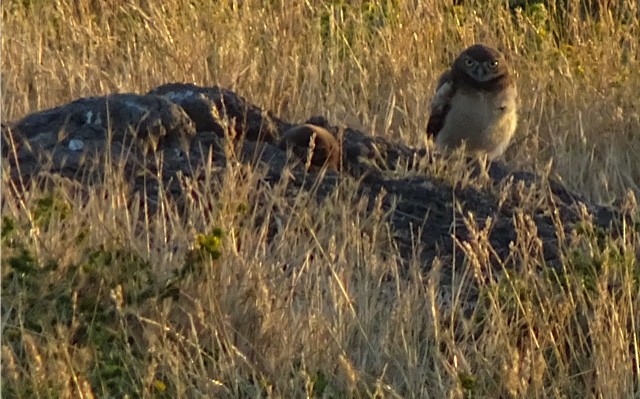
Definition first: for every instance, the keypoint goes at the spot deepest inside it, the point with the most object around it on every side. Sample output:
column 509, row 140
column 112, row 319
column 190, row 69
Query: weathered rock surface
column 187, row 125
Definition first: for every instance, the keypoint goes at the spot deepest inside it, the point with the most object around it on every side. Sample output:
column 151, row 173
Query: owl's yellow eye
column 469, row 62
column 493, row 64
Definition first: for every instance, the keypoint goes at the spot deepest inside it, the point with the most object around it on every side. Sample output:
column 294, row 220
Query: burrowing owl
column 475, row 103
column 325, row 148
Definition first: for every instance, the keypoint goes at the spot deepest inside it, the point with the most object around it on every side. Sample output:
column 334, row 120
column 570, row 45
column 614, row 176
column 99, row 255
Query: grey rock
column 223, row 112
column 188, row 127
column 116, row 115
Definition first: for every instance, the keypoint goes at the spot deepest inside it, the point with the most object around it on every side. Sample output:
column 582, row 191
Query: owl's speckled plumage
column 475, row 104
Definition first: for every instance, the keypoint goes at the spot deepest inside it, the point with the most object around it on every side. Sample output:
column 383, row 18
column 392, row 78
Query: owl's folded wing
column 440, row 104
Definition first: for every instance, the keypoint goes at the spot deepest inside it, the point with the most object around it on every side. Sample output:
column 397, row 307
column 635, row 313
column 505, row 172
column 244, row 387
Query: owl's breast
column 485, row 121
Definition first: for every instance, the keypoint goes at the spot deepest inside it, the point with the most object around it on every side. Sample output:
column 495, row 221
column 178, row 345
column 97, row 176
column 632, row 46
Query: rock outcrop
column 185, row 126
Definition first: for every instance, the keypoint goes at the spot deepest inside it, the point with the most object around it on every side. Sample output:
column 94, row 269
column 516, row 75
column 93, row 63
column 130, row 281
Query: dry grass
column 325, row 308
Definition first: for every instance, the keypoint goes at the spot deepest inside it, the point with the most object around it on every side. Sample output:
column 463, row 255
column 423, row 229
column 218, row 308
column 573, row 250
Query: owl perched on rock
column 475, row 103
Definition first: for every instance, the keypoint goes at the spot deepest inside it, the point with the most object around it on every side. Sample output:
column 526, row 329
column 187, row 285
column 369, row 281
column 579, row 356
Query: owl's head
column 482, row 67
